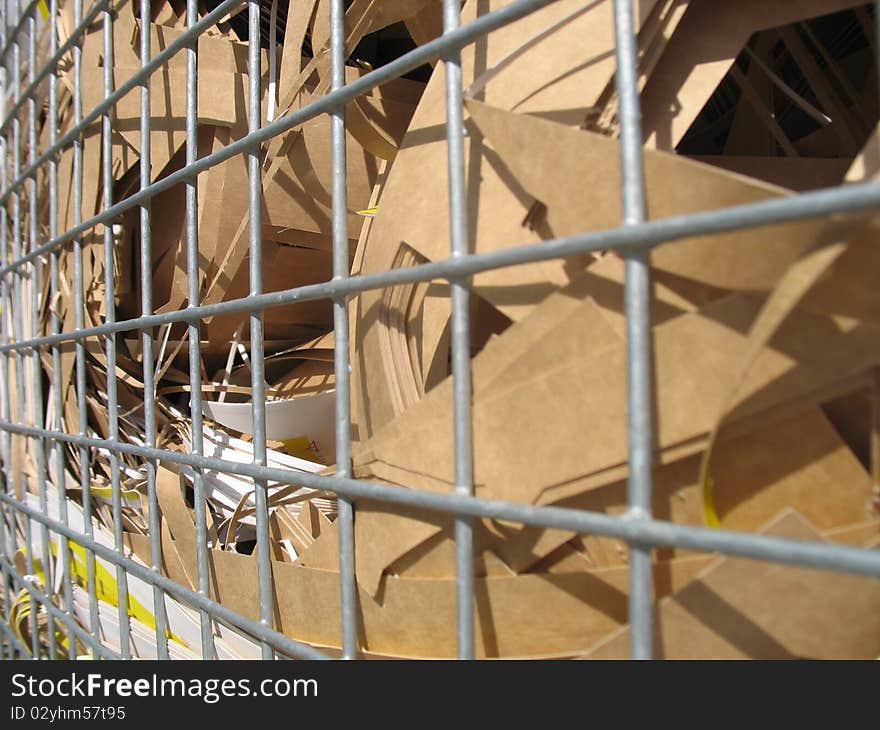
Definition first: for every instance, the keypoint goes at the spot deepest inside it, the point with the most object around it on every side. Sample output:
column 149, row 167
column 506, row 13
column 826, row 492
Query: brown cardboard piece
column 377, row 122
column 743, row 262
column 789, row 372
column 745, row 609
column 521, row 426
column 415, row 616
column 563, row 87
column 529, row 147
column 794, row 173
column 800, row 463
column 797, row 287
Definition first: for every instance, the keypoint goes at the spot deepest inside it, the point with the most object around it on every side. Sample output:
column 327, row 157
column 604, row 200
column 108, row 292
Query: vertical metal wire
column 146, row 261
column 195, row 356
column 17, row 306
column 342, row 373
column 79, row 323
column 6, row 541
column 638, row 330
column 36, row 274
column 461, row 348
column 110, row 341
column 258, row 374
column 54, row 293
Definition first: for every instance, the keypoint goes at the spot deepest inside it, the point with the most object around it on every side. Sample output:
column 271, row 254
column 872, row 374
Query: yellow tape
column 369, row 212
column 106, row 587
column 707, row 485
column 44, row 10
column 131, row 497
column 300, row 447
column 130, row 494
column 707, row 492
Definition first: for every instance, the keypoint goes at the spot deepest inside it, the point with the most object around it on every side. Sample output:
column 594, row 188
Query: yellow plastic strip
column 105, row 587
column 131, row 497
column 707, row 491
column 300, row 447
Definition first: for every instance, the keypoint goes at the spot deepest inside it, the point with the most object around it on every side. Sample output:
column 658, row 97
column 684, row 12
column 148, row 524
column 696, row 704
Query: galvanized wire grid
column 24, row 256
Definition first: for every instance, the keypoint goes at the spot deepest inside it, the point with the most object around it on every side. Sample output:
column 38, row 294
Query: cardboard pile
column 765, row 341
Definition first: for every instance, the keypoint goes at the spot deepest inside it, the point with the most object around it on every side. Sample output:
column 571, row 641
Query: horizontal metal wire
column 423, row 54
column 658, row 533
column 53, row 62
column 259, row 631
column 850, row 199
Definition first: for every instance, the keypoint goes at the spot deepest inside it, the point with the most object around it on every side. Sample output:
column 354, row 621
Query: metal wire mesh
column 24, row 258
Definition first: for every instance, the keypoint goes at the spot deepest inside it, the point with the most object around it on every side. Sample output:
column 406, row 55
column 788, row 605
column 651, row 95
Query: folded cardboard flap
column 799, row 462
column 413, row 211
column 524, row 425
column 746, row 609
column 741, row 260
column 794, row 173
column 298, row 197
column 415, row 617
column 797, row 287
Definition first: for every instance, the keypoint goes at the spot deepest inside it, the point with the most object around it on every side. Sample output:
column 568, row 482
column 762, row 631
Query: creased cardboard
column 415, row 616
column 835, row 238
column 800, row 463
column 732, row 610
column 529, row 147
column 809, row 353
column 563, row 87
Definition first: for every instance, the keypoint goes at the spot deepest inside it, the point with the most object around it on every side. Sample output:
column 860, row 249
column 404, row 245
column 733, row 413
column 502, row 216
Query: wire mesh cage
column 342, row 329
